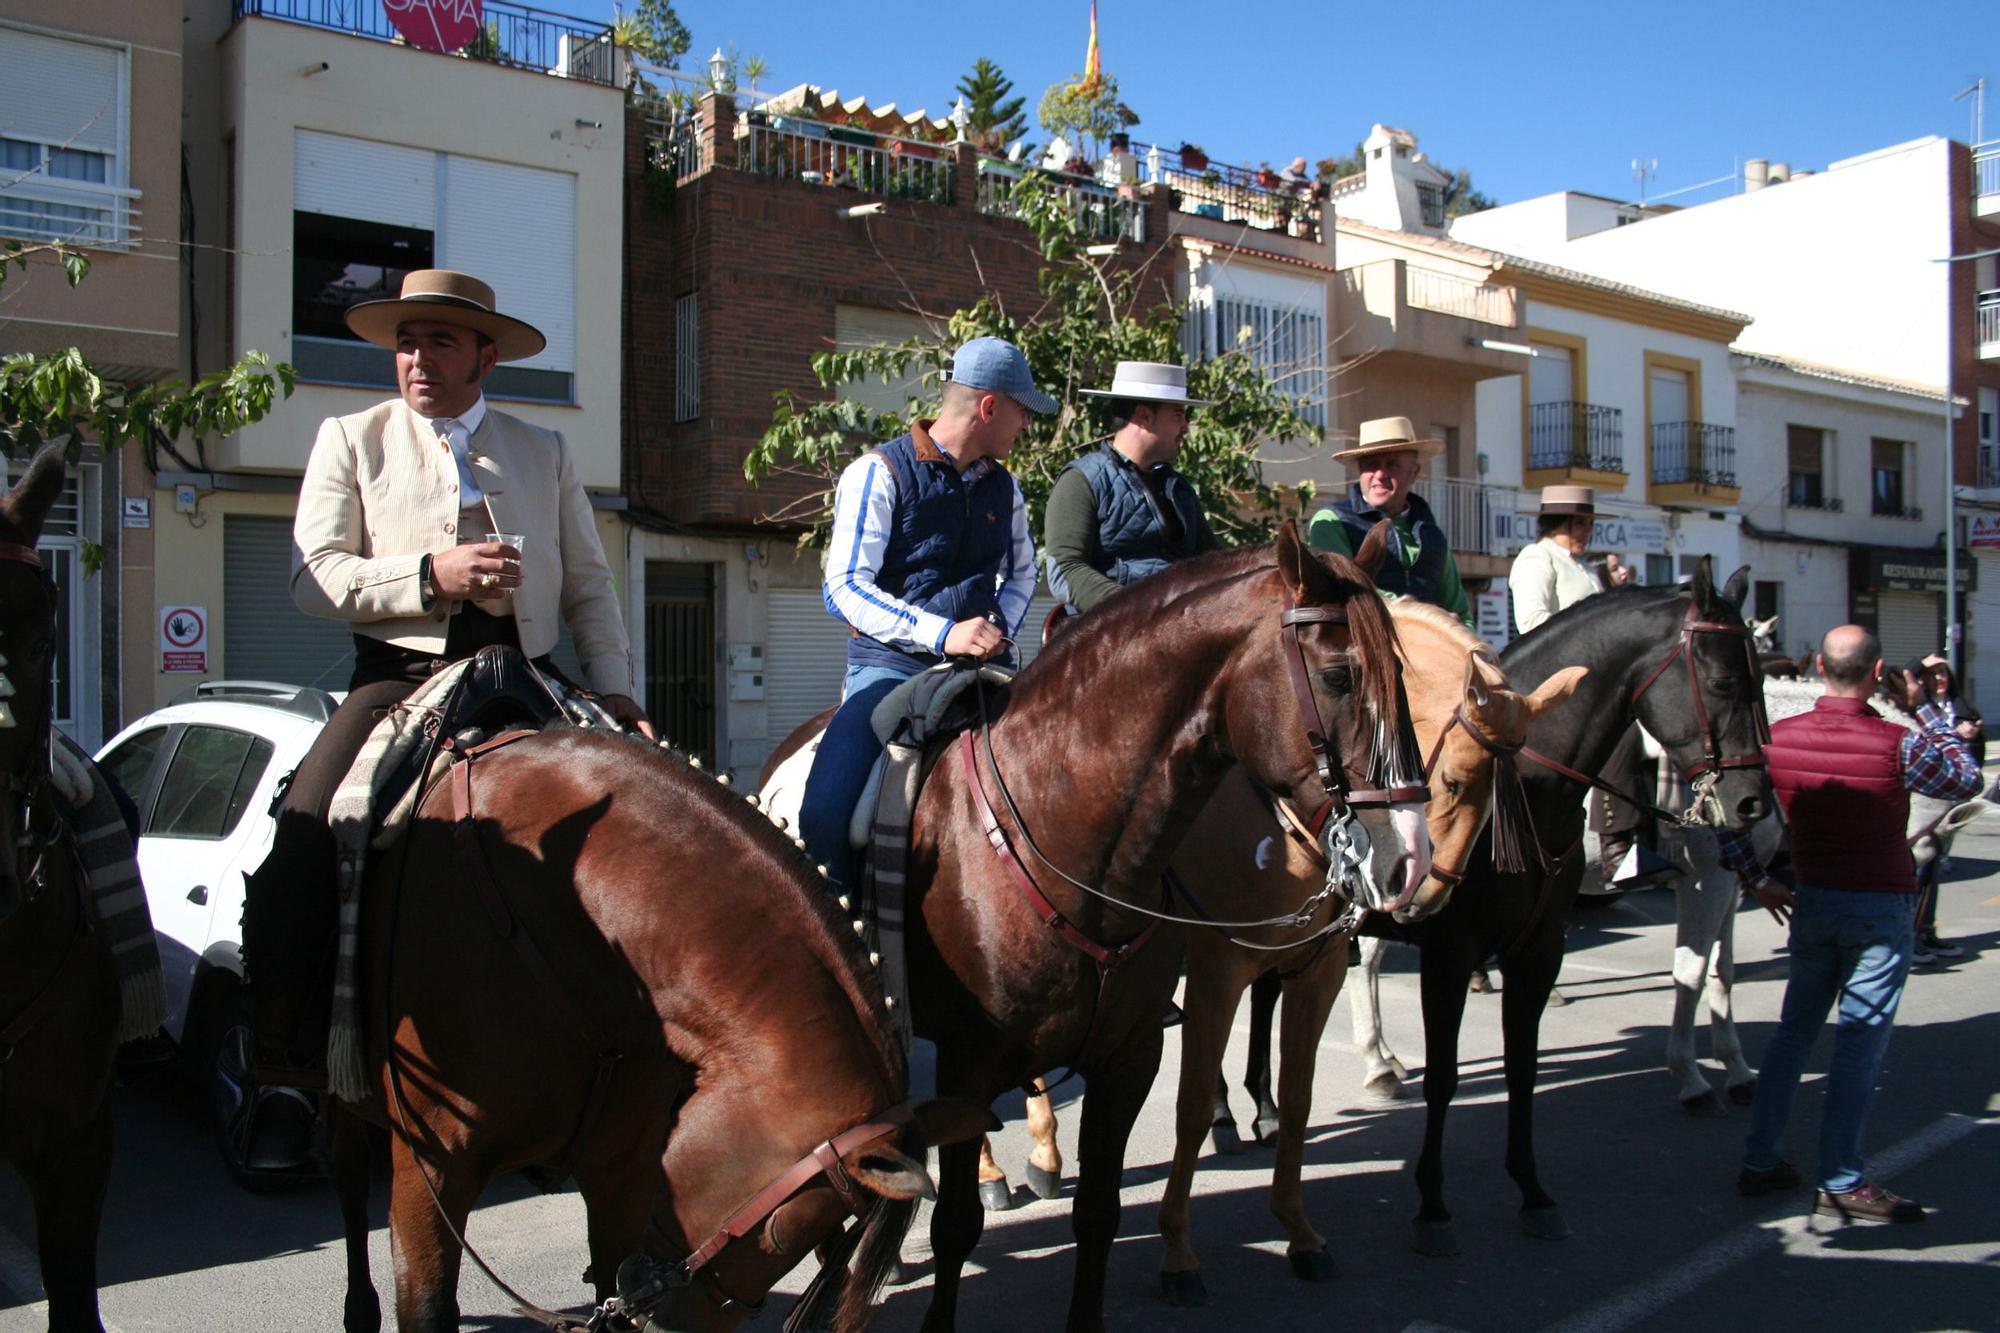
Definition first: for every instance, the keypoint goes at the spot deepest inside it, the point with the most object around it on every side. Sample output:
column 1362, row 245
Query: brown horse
column 1052, row 951
column 58, row 993
column 1469, row 721
column 587, row 955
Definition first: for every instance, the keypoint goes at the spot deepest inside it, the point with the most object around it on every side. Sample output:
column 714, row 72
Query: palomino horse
column 1038, row 846
column 1471, row 724
column 587, row 954
column 58, row 993
column 1676, row 660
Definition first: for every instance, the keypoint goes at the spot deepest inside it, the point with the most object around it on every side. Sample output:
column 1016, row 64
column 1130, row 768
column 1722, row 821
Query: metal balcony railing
column 1448, row 294
column 1988, row 476
column 1694, row 452
column 845, row 157
column 1579, row 435
column 1260, row 199
column 1986, row 178
column 674, row 142
column 79, row 213
column 1465, row 510
column 1104, row 213
column 1987, row 314
column 516, row 35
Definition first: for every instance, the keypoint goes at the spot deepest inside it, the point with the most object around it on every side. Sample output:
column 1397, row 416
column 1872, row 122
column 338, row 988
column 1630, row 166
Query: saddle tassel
column 1514, row 838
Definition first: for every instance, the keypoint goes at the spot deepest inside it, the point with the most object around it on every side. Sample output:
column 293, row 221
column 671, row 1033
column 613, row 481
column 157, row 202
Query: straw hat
column 1389, row 435
column 1149, row 382
column 447, row 297
column 1570, row 501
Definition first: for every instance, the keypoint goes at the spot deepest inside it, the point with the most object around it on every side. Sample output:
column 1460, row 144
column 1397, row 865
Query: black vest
column 1425, row 576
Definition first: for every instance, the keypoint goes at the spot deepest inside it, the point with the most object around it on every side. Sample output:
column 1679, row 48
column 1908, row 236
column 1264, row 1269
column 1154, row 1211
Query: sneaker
column 1930, row 943
column 1752, row 1183
column 1921, row 956
column 1869, row 1203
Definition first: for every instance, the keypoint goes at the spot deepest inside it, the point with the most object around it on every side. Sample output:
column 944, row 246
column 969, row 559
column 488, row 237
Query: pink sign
column 436, row 25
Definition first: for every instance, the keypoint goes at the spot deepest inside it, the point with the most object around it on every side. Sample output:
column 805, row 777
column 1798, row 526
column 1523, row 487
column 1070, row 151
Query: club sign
column 436, row 25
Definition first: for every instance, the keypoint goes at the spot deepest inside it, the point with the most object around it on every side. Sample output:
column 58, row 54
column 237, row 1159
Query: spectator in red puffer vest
column 1844, row 775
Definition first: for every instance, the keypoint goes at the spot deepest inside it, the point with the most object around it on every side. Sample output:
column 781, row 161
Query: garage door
column 264, row 635
column 1907, row 625
column 805, row 655
column 1982, row 635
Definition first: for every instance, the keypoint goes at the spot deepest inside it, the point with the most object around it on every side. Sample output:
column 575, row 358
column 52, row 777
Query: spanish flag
column 1093, row 74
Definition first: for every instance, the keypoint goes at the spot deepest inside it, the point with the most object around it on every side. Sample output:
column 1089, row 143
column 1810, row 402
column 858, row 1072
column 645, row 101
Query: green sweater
column 1326, row 533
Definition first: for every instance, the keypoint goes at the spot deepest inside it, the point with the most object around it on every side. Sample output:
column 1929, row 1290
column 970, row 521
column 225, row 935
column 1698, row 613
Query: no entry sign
column 184, row 638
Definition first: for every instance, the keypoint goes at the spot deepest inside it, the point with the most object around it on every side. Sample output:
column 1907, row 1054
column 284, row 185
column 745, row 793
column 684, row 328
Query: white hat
column 1149, row 382
column 1388, row 435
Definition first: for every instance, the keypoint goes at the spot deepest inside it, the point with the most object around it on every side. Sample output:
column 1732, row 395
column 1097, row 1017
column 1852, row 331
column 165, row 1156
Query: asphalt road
column 1661, row 1240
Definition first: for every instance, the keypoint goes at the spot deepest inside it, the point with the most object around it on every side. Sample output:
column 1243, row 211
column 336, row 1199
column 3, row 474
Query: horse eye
column 1340, row 679
column 1454, row 787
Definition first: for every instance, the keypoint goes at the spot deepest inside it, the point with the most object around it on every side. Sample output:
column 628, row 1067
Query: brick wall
column 769, row 260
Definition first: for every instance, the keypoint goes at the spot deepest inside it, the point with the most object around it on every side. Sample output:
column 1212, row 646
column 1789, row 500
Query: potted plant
column 1267, row 178
column 1193, row 157
column 1121, row 141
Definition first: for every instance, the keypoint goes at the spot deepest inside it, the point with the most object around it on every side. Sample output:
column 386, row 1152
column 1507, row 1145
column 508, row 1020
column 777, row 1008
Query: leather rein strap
column 20, row 553
column 1326, row 756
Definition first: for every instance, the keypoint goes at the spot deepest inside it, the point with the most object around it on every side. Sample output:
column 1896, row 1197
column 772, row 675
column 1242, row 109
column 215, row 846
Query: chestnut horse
column 587, row 955
column 58, row 992
column 1094, row 765
column 1470, row 722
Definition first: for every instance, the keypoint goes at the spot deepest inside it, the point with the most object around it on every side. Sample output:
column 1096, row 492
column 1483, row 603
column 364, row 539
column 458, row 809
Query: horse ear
column 24, row 507
column 1482, row 677
column 1373, row 547
column 1556, row 689
column 949, row 1120
column 887, row 1170
column 1703, row 586
column 1296, row 562
column 1738, row 585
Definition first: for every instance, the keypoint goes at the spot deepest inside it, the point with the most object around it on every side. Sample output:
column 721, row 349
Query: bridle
column 1514, row 836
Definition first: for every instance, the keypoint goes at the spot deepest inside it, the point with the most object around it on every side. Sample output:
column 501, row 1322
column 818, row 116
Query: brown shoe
column 1869, row 1203
column 1752, row 1183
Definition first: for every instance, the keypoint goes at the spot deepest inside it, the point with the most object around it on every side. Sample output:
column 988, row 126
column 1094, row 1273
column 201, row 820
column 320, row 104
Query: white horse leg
column 1385, row 1073
column 1741, row 1078
column 1694, row 933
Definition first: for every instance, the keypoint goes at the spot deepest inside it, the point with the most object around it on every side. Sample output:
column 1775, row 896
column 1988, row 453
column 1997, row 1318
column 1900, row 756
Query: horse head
column 1331, row 675
column 1708, row 714
column 27, row 646
column 1474, row 769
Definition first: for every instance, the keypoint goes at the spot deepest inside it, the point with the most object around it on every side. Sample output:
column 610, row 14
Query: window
column 1989, row 416
column 1806, row 447
column 1287, row 342
column 1430, row 202
column 364, row 214
column 1768, row 599
column 209, row 782
column 129, row 764
column 687, row 358
column 62, row 152
column 1887, row 464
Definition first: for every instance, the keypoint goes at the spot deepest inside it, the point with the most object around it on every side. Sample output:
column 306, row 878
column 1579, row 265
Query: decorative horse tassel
column 1514, row 838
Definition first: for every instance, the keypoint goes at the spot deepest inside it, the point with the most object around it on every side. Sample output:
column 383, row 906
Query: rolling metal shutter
column 264, row 635
column 1907, row 625
column 805, row 656
column 1981, row 615
column 368, row 181
column 62, row 92
column 526, row 250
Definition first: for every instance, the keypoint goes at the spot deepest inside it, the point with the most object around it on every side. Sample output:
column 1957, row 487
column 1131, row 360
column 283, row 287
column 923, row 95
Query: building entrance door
column 680, row 654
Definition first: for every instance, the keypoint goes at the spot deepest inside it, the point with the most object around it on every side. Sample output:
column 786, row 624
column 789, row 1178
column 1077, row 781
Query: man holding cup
column 434, row 526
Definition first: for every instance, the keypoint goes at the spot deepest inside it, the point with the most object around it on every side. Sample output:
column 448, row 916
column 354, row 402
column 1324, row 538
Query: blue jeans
column 1854, row 948
column 840, row 770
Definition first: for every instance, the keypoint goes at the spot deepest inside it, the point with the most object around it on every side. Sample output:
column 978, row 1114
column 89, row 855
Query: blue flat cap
column 996, row 365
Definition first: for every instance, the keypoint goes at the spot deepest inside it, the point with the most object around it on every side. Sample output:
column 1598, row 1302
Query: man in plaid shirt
column 1844, row 775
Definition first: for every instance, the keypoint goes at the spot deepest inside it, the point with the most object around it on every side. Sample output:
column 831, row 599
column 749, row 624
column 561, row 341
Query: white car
column 207, row 773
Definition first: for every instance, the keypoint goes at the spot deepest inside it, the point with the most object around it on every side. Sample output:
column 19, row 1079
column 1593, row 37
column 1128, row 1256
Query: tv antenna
column 1643, row 170
column 1977, row 92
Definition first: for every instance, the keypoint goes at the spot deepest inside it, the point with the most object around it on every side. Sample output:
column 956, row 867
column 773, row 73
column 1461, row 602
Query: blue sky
column 1530, row 97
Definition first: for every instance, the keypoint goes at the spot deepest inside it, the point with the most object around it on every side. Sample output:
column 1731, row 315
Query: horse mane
column 1406, row 609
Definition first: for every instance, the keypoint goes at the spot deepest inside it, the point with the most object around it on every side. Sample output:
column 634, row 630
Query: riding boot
column 290, row 937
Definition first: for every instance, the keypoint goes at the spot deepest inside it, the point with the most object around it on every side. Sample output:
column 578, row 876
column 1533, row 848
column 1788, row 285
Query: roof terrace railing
column 515, row 35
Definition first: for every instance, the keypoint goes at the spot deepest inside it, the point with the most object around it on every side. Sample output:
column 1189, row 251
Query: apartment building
column 90, row 94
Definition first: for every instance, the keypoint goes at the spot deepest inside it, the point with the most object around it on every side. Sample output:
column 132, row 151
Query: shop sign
column 1614, row 532
column 1984, row 532
column 1896, row 569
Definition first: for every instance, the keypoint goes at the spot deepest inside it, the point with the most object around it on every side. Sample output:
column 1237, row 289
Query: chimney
column 1780, row 172
column 1756, row 174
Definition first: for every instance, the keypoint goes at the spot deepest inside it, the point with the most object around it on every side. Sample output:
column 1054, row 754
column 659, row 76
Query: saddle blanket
column 115, row 898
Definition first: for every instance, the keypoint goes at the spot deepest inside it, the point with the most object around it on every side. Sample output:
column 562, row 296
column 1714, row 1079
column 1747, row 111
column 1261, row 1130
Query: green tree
column 653, row 32
column 1462, row 197
column 1092, row 315
column 1085, row 113
column 61, row 396
column 996, row 118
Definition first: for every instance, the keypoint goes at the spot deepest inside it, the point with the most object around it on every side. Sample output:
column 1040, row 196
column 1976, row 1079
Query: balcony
column 1225, row 193
column 1466, row 510
column 1432, row 316
column 1986, row 180
column 1987, row 326
column 1105, row 214
column 67, row 212
column 1580, row 444
column 842, row 156
column 1693, row 464
column 1988, row 475
column 515, row 35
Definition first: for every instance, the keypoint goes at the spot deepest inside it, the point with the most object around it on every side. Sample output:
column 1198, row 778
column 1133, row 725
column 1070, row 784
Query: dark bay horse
column 1101, row 754
column 58, row 992
column 589, row 955
column 1677, row 661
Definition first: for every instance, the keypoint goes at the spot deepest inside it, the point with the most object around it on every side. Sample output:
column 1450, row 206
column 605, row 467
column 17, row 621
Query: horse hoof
column 1397, row 1066
column 1223, row 1134
column 1704, row 1106
column 995, row 1197
column 1044, row 1184
column 1312, row 1266
column 1481, row 984
column 1544, row 1223
column 1385, row 1087
column 1185, row 1290
column 1743, row 1094
column 1265, row 1127
column 1436, row 1239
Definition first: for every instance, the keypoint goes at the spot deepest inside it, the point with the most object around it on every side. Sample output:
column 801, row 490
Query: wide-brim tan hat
column 1568, row 502
column 1149, row 382
column 1389, row 435
column 447, row 297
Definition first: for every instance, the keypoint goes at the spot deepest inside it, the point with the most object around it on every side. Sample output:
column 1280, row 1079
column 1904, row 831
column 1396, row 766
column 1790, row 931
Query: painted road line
column 1646, row 1299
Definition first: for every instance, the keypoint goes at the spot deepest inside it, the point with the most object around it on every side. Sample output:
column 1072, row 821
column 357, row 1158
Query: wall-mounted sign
column 1614, row 532
column 1984, row 532
column 1899, row 569
column 436, row 25
column 184, row 638
column 1489, row 612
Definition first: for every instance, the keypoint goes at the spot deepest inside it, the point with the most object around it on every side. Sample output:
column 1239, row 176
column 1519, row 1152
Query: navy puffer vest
column 947, row 544
column 1425, row 575
column 1132, row 536
column 1838, row 773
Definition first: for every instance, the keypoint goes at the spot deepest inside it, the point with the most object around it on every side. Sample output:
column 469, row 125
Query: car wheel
column 266, row 1135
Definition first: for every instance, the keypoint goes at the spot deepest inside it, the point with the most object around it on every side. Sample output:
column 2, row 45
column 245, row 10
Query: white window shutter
column 61, row 92
column 515, row 228
column 364, row 180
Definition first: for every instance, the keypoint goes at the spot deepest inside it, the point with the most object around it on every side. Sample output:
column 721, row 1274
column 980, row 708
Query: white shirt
column 459, row 431
column 864, row 513
column 1547, row 578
